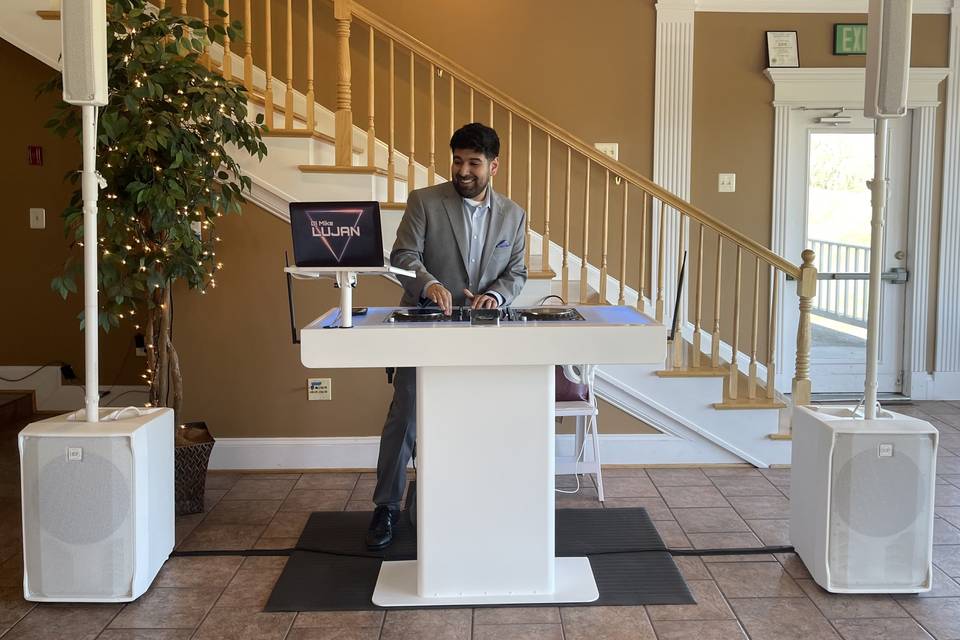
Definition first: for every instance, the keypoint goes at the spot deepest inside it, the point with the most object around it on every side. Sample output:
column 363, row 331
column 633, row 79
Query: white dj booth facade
column 485, row 444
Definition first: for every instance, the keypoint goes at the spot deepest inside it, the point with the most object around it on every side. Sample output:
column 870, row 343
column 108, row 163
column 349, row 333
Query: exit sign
column 849, row 39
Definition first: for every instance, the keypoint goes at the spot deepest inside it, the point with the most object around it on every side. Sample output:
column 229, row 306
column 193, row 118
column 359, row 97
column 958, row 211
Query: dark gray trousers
column 398, row 440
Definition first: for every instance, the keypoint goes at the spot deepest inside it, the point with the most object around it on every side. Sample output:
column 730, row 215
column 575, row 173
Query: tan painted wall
column 36, row 325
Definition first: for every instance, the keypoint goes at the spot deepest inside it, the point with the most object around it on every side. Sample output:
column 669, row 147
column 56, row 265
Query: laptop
column 337, row 235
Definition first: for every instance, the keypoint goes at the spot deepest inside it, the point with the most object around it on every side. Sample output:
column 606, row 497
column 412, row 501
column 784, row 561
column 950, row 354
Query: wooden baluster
column 391, row 165
column 371, row 123
column 227, row 60
column 662, row 247
column 545, row 247
column 288, row 96
column 247, row 46
column 343, row 123
column 565, row 267
column 606, row 235
column 268, row 87
column 772, row 335
column 432, row 168
column 490, row 116
column 623, row 245
column 641, row 294
column 310, row 96
column 698, row 305
column 411, row 163
column 715, row 338
column 586, row 236
column 206, row 47
column 471, row 104
column 526, row 242
column 734, row 379
column 678, row 321
column 752, row 372
column 510, row 155
column 183, row 7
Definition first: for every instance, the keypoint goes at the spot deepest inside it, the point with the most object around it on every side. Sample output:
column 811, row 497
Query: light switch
column 38, row 218
column 727, row 183
column 611, row 149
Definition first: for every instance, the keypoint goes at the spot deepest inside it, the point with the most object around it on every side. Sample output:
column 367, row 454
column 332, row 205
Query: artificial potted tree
column 164, row 149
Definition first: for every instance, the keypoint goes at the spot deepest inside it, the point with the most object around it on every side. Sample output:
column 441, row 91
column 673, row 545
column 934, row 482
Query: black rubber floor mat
column 579, row 532
column 331, row 570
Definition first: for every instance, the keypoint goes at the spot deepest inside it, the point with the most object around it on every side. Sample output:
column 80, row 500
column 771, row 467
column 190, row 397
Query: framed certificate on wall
column 782, row 49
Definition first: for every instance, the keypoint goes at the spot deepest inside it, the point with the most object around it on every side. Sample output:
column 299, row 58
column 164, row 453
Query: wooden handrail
column 559, row 134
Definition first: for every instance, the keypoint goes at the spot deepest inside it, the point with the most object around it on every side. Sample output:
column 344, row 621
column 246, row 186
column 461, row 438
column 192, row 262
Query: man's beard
column 472, row 189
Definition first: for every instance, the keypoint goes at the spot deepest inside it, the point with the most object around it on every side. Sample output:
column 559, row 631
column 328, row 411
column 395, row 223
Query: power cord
column 35, row 371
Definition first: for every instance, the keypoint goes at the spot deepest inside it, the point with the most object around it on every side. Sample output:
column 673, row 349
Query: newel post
column 344, row 116
column 800, row 389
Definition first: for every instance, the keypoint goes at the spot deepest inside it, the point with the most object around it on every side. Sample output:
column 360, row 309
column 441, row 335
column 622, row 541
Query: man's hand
column 443, row 299
column 483, row 301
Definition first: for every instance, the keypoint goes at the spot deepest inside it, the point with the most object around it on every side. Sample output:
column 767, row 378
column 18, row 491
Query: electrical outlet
column 727, row 183
column 611, row 149
column 38, row 218
column 319, row 389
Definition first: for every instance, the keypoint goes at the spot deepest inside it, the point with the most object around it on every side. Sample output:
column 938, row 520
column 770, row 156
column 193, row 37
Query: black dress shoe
column 380, row 533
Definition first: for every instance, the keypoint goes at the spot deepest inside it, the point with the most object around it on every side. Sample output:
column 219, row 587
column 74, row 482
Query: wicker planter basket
column 192, row 447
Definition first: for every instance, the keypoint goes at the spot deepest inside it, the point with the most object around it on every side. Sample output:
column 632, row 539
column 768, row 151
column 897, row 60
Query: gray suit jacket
column 432, row 241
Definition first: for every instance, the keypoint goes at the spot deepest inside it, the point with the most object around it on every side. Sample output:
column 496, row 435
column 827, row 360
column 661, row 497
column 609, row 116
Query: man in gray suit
column 465, row 242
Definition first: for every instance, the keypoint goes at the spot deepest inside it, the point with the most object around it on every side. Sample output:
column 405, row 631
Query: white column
column 948, row 311
column 672, row 129
column 918, row 247
column 786, row 340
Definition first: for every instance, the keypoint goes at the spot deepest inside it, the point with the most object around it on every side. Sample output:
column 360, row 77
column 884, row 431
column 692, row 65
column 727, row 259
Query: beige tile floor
column 758, row 596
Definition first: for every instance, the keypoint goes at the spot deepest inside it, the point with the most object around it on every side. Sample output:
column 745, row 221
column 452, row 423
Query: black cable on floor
column 672, row 552
column 731, row 552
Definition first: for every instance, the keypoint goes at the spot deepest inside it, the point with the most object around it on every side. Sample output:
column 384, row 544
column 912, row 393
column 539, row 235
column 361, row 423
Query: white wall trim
column 672, row 131
column 844, row 87
column 361, row 453
column 948, row 307
column 810, row 6
column 52, row 395
column 919, row 226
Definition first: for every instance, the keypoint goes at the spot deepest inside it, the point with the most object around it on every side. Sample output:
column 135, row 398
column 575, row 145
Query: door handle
column 896, row 275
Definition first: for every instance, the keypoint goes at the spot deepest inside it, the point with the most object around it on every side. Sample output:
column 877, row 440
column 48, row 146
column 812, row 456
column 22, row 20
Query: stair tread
column 330, row 168
column 540, row 274
column 687, row 370
column 297, row 133
column 760, row 402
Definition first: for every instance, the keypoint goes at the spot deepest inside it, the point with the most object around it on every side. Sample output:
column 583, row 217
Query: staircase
column 713, row 400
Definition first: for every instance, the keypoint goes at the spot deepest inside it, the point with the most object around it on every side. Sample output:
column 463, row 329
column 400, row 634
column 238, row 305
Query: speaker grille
column 78, row 523
column 879, row 530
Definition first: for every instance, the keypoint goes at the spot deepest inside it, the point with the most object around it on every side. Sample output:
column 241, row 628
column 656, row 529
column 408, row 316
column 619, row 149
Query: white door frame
column 844, row 87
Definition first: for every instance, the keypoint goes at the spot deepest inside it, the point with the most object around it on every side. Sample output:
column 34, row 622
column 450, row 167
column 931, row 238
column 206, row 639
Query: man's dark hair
column 477, row 137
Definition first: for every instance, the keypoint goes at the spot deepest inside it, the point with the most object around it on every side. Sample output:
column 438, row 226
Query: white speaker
column 98, row 505
column 83, row 25
column 888, row 58
column 861, row 500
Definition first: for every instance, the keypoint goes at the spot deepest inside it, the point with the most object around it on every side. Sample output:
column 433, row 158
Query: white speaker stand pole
column 91, row 315
column 878, row 187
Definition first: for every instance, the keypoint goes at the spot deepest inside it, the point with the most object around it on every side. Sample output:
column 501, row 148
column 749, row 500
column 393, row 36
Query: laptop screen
column 336, row 234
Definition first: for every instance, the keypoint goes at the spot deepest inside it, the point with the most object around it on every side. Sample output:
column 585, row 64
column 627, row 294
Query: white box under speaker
column 83, row 25
column 98, row 505
column 861, row 499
